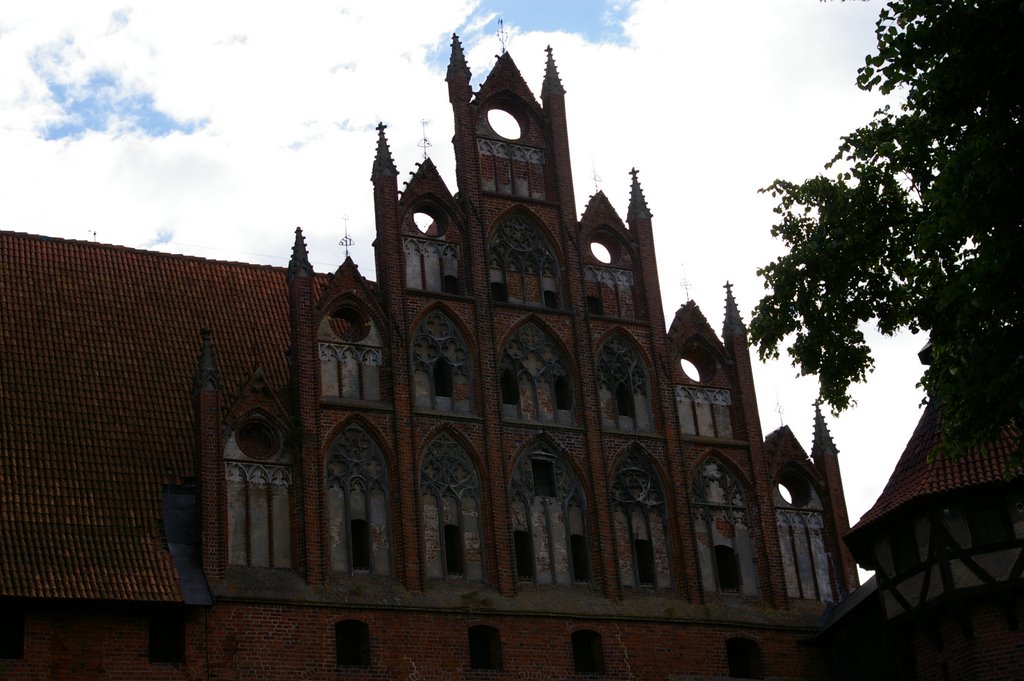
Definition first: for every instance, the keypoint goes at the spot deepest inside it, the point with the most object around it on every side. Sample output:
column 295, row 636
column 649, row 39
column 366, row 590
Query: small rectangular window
column 587, row 652
column 484, row 648
column 167, row 637
column 352, row 643
column 543, row 478
column 12, row 633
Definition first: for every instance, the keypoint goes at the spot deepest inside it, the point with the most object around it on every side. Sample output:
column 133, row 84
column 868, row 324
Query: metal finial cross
column 778, row 409
column 502, row 35
column 346, row 240
column 684, row 282
column 424, row 143
column 595, row 177
column 93, row 232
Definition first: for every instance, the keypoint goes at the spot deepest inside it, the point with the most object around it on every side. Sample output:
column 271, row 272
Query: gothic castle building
column 489, row 463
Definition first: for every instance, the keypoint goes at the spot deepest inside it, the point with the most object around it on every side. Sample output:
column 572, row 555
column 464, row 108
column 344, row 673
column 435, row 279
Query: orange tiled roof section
column 98, row 352
column 915, row 477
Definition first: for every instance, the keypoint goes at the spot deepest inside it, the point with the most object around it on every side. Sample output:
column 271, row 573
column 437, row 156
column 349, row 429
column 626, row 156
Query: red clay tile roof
column 98, row 351
column 915, row 477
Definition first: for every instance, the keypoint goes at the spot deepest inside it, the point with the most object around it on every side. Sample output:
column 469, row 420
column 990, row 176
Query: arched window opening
column 548, row 520
column 352, row 643
column 744, row 658
column 587, row 652
column 520, row 258
column 624, row 389
column 726, row 568
column 357, row 504
column 484, row 647
column 639, row 518
column 442, row 368
column 430, row 263
column 535, row 379
column 351, row 355
column 725, row 546
column 450, row 498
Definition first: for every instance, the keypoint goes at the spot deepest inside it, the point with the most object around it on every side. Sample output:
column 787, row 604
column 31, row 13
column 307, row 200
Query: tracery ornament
column 450, row 496
column 625, row 392
column 639, row 518
column 442, row 365
column 536, row 380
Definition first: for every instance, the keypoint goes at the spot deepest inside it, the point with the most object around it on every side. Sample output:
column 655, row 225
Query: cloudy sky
column 214, row 128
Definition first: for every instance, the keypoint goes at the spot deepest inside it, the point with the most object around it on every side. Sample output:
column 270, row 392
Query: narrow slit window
column 644, row 561
column 580, row 564
column 524, row 554
column 509, row 388
column 453, row 549
column 360, row 544
column 623, row 401
column 563, row 396
column 728, row 570
column 442, row 379
column 543, row 478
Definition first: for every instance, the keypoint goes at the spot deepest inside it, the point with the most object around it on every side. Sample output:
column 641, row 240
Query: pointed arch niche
column 724, row 545
column 356, row 480
column 801, row 543
column 432, row 251
column 522, row 265
column 548, row 520
column 624, row 388
column 351, row 353
column 536, row 384
column 442, row 365
column 450, row 498
column 640, row 520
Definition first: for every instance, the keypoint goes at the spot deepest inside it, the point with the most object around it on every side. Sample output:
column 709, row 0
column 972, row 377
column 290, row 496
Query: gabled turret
column 458, row 74
column 298, row 264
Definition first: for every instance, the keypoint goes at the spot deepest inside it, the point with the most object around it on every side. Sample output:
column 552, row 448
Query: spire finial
column 424, row 143
column 684, row 282
column 383, row 164
column 823, row 444
column 637, row 202
column 457, row 67
column 207, row 377
column 733, row 321
column 552, row 83
column 595, row 177
column 502, row 35
column 299, row 263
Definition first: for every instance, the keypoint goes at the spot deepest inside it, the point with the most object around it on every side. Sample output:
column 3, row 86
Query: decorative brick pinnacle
column 457, row 67
column 823, row 444
column 733, row 321
column 383, row 164
column 207, row 376
column 552, row 83
column 637, row 201
column 299, row 263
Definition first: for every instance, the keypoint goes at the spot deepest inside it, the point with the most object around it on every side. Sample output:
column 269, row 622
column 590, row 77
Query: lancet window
column 535, row 380
column 640, row 523
column 624, row 388
column 357, row 504
column 548, row 521
column 522, row 265
column 442, row 368
column 450, row 497
column 720, row 521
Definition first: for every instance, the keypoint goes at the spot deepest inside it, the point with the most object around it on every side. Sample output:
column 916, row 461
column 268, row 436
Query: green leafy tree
column 920, row 225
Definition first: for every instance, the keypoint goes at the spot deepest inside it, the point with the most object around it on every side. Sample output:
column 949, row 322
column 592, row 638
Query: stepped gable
column 99, row 359
column 916, row 476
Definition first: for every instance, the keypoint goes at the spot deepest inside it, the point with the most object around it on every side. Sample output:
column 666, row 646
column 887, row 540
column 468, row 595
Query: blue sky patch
column 596, row 20
column 103, row 102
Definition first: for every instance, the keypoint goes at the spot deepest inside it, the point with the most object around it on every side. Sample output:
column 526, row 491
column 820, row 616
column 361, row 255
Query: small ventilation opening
column 450, row 284
column 644, row 561
column 543, row 478
column 551, row 299
column 167, row 638
column 580, row 568
column 587, row 652
column 744, row 659
column 509, row 387
column 352, row 643
column 563, row 396
column 727, row 568
column 484, row 647
column 360, row 532
column 453, row 550
column 499, row 292
column 442, row 378
column 524, row 554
